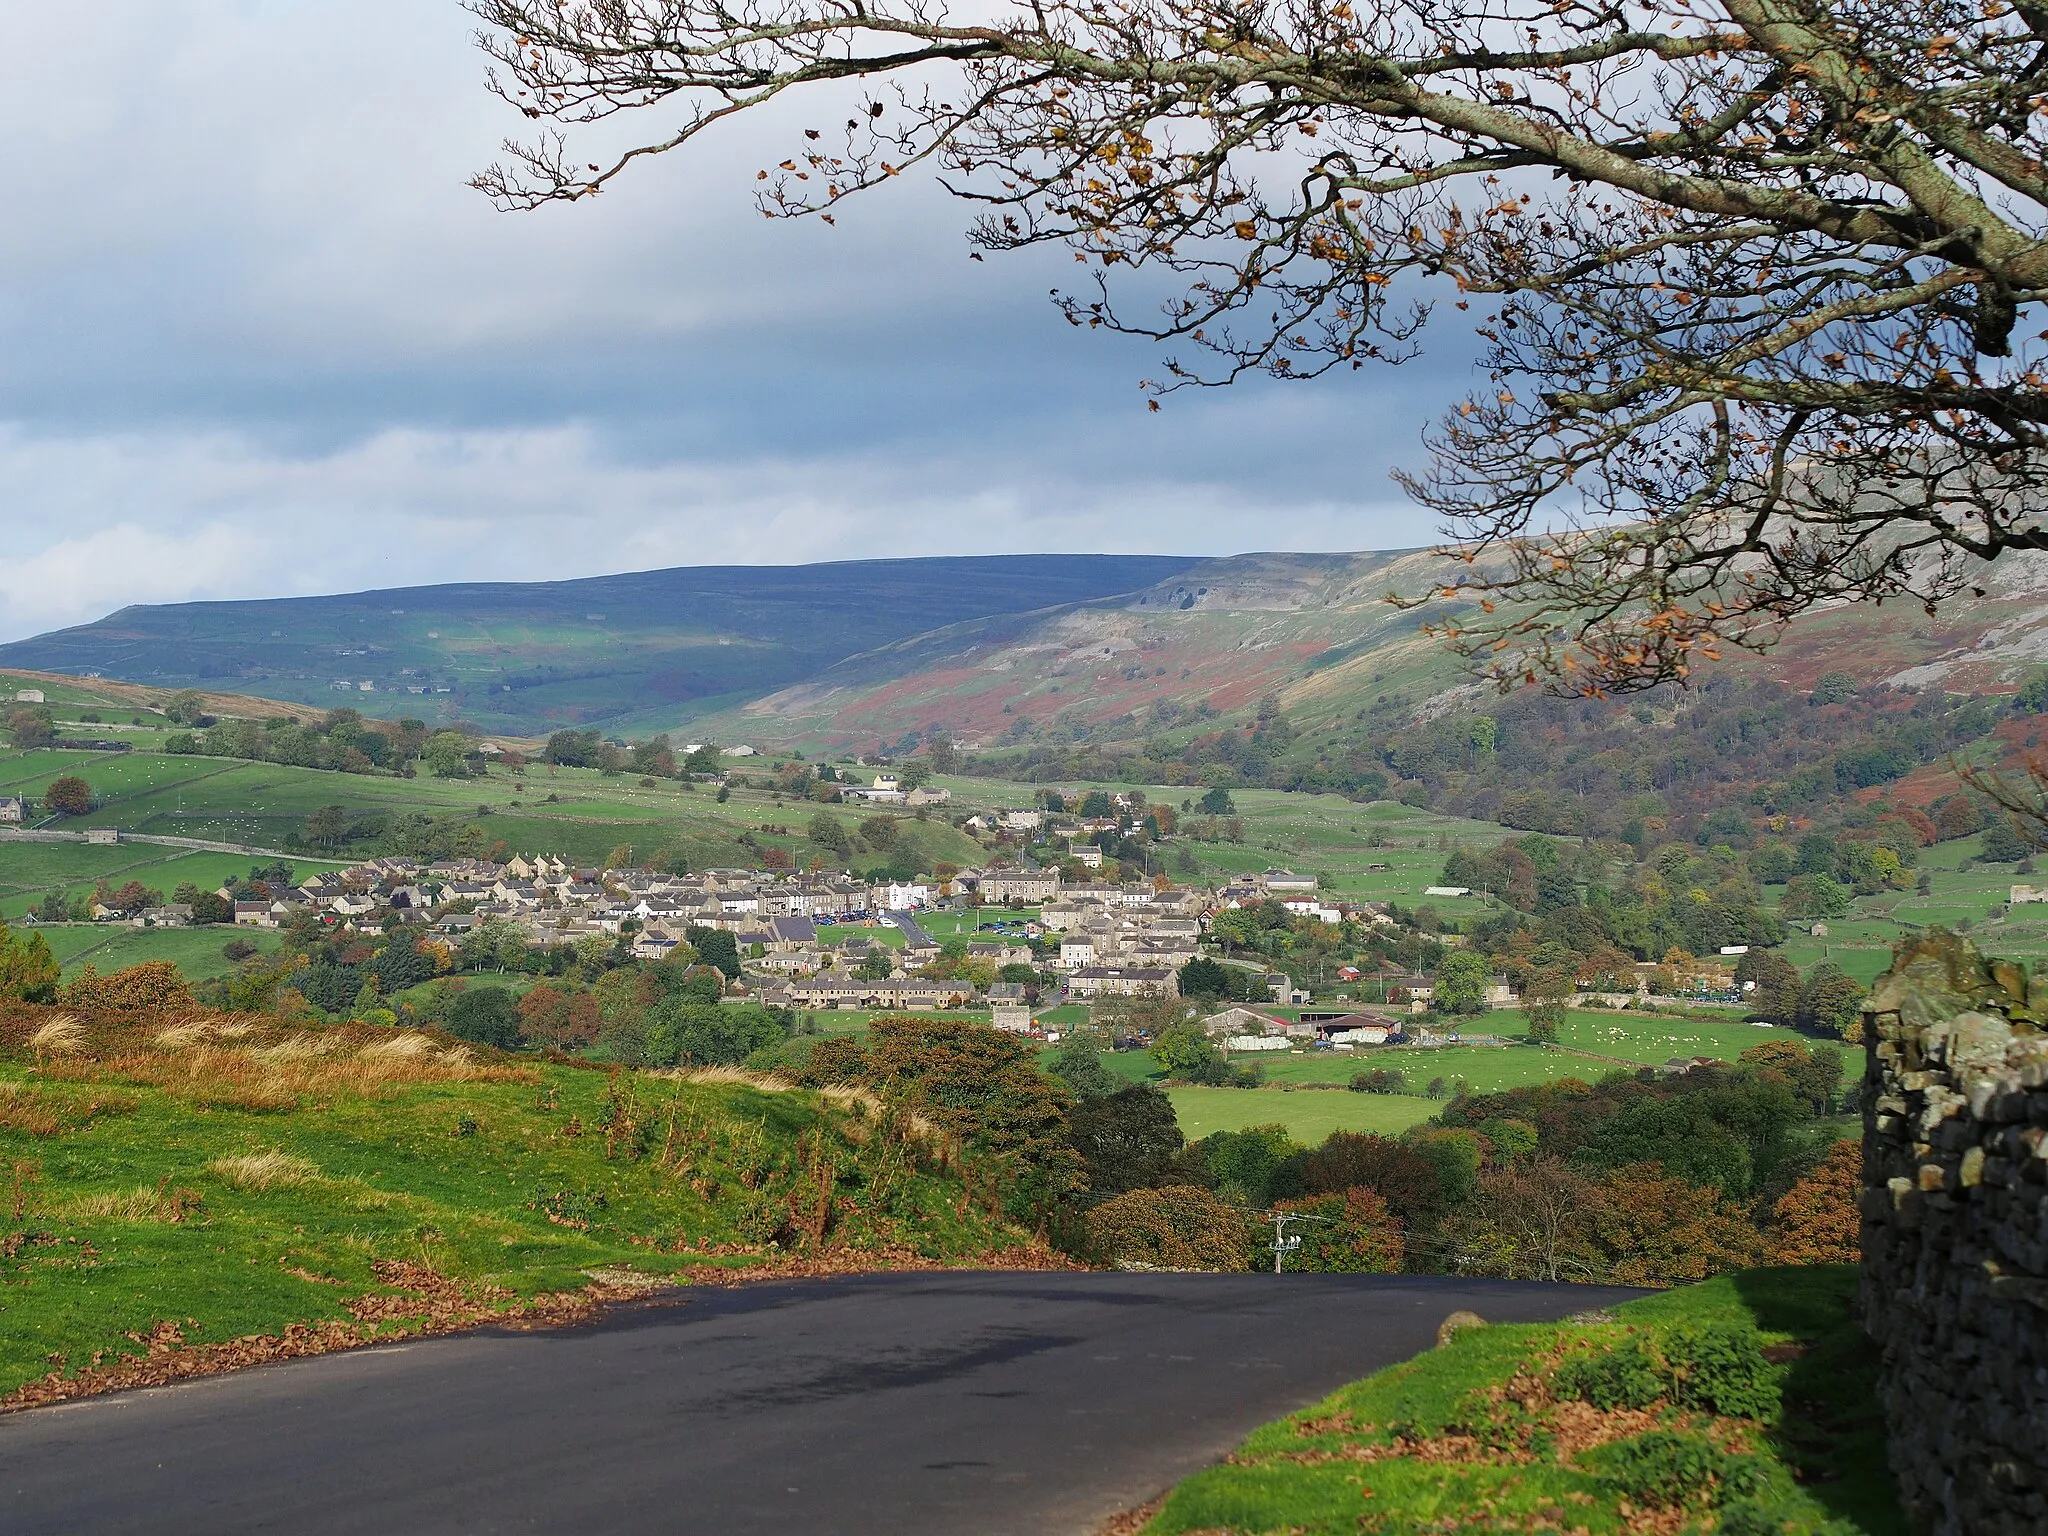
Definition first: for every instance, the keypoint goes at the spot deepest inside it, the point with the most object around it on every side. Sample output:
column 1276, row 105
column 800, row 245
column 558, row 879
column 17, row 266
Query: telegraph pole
column 1282, row 1243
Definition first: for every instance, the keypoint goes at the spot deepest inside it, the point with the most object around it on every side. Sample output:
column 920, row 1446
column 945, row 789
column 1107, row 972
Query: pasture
column 115, row 946
column 29, row 871
column 1309, row 1114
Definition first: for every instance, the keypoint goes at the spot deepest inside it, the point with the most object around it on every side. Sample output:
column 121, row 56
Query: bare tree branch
column 1760, row 281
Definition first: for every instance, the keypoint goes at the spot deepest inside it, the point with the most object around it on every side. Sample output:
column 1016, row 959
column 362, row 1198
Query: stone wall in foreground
column 1955, row 1234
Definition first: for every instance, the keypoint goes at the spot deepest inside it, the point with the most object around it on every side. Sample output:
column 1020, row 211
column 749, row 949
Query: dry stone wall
column 1955, row 1234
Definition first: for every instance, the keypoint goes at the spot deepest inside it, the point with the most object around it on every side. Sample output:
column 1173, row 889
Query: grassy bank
column 194, row 1186
column 1745, row 1405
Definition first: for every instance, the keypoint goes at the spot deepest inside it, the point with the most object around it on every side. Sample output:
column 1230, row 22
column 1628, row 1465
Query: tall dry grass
column 269, row 1169
column 714, row 1077
column 273, row 1076
column 63, row 1035
column 141, row 1204
column 192, row 1032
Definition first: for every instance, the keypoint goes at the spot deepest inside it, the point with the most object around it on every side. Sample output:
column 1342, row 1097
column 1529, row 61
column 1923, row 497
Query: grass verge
column 207, row 1193
column 1745, row 1405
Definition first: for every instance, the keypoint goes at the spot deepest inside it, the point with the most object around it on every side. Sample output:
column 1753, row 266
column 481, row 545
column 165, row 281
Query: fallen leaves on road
column 422, row 1302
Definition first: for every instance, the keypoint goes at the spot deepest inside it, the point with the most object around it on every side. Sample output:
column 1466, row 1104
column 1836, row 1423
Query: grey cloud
column 258, row 337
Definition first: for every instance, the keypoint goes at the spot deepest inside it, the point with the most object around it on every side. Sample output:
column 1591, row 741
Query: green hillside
column 654, row 646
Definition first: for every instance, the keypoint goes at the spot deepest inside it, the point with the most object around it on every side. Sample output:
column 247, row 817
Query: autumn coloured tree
column 558, row 1018
column 1352, row 1233
column 1816, row 1221
column 1656, row 1229
column 1177, row 1227
column 148, row 990
column 68, row 796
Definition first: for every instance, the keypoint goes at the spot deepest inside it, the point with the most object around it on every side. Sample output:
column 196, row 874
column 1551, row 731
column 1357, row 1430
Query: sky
column 258, row 338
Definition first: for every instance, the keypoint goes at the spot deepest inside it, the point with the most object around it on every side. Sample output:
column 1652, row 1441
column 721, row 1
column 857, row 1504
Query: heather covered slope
column 1206, row 644
column 1313, row 637
column 652, row 646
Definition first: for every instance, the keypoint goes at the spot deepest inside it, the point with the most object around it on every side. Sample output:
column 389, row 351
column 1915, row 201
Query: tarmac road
column 985, row 1404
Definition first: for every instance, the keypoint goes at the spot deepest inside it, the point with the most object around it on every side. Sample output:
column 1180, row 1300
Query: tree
column 878, row 964
column 1775, row 996
column 1830, row 1004
column 572, row 749
column 1544, row 997
column 717, row 947
column 829, row 834
column 557, row 1018
column 1217, row 802
column 28, row 970
column 484, row 1016
column 2003, row 841
column 879, row 833
column 1770, row 324
column 1255, row 1165
column 447, row 755
column 1399, row 1174
column 1659, row 1230
column 399, row 964
column 1816, row 1221
column 983, row 1086
column 1183, row 1050
column 1127, row 1139
column 1525, row 1223
column 152, row 988
column 327, row 827
column 184, row 707
column 1079, row 1066
column 1354, row 1233
column 1461, row 983
column 1813, row 1071
column 1814, row 896
column 692, row 1034
column 30, row 728
column 68, row 796
column 1204, row 978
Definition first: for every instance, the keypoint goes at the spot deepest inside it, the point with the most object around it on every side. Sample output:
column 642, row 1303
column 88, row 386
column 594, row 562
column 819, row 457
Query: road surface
column 982, row 1404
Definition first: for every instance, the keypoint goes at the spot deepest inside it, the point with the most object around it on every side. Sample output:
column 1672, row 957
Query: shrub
column 1180, row 1227
column 1716, row 1366
column 1665, row 1468
column 1627, row 1376
column 155, row 986
column 1720, row 1367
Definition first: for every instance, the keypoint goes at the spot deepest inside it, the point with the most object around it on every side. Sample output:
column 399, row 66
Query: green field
column 29, row 871
column 579, row 813
column 1308, row 1114
column 111, row 947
